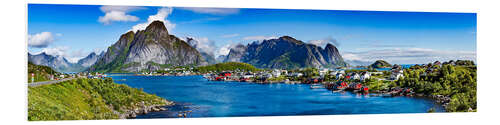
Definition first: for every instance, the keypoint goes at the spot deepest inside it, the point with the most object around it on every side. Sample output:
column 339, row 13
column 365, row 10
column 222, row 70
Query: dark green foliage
column 83, row 99
column 311, row 72
column 465, row 63
column 227, row 66
column 458, row 82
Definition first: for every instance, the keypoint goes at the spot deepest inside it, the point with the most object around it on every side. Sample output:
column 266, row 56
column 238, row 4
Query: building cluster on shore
column 335, row 79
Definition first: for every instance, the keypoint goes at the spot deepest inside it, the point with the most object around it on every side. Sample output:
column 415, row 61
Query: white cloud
column 323, row 42
column 259, row 37
column 55, row 51
column 230, row 35
column 40, row 40
column 213, row 11
column 118, row 13
column 64, row 51
column 202, row 44
column 224, row 50
column 408, row 55
column 161, row 16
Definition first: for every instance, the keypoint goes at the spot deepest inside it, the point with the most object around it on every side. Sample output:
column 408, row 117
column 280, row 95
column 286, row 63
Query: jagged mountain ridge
column 149, row 49
column 286, row 52
column 58, row 63
column 89, row 60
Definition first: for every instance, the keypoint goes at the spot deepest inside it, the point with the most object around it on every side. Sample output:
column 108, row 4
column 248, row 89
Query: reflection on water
column 197, row 97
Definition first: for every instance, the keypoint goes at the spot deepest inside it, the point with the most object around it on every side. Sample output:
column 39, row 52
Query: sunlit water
column 201, row 98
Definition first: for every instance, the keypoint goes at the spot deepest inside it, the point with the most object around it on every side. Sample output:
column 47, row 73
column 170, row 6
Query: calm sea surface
column 201, row 98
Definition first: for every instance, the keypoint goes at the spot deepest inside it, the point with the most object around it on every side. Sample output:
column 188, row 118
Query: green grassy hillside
column 380, row 64
column 83, row 99
column 227, row 66
column 42, row 73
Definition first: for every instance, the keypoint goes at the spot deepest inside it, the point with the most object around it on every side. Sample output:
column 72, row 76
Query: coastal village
column 223, row 76
column 363, row 80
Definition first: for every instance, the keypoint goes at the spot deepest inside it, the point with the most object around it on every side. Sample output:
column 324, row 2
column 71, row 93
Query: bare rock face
column 149, row 49
column 286, row 52
column 236, row 53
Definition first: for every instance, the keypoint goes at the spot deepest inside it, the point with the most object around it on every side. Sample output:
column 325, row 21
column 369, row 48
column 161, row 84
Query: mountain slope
column 286, row 52
column 149, row 49
column 89, row 60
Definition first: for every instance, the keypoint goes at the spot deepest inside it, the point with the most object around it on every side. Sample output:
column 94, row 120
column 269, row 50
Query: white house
column 323, row 72
column 248, row 75
column 339, row 75
column 296, row 74
column 333, row 73
column 276, row 73
column 396, row 74
column 355, row 76
column 365, row 76
column 267, row 75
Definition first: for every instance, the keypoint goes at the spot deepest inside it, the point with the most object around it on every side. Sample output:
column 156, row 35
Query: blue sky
column 73, row 31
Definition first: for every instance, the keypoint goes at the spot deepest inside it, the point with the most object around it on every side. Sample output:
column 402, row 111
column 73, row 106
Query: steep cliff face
column 235, row 53
column 149, row 49
column 286, row 52
column 332, row 56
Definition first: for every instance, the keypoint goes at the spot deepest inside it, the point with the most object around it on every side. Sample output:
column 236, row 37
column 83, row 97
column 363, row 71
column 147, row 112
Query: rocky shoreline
column 143, row 109
column 440, row 99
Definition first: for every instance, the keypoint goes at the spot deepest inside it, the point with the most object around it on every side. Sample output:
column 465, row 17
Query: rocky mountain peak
column 331, row 47
column 150, row 49
column 92, row 54
column 286, row 52
column 290, row 39
column 156, row 27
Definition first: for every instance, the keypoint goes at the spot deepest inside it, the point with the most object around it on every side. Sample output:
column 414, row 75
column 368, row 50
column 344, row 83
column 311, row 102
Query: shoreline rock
column 144, row 110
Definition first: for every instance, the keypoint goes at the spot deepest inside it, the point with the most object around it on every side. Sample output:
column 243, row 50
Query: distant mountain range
column 154, row 49
column 149, row 49
column 90, row 59
column 286, row 52
column 58, row 63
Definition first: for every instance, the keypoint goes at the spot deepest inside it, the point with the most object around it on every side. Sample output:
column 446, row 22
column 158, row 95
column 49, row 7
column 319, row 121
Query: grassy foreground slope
column 83, row 99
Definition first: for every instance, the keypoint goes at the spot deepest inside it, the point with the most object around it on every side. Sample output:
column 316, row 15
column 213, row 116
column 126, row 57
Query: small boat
column 337, row 90
column 316, row 86
column 121, row 80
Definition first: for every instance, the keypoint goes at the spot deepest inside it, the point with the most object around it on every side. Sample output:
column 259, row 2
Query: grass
column 42, row 73
column 85, row 99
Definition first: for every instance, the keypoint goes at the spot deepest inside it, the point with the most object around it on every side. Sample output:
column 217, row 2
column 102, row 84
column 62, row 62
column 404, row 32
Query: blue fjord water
column 201, row 98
